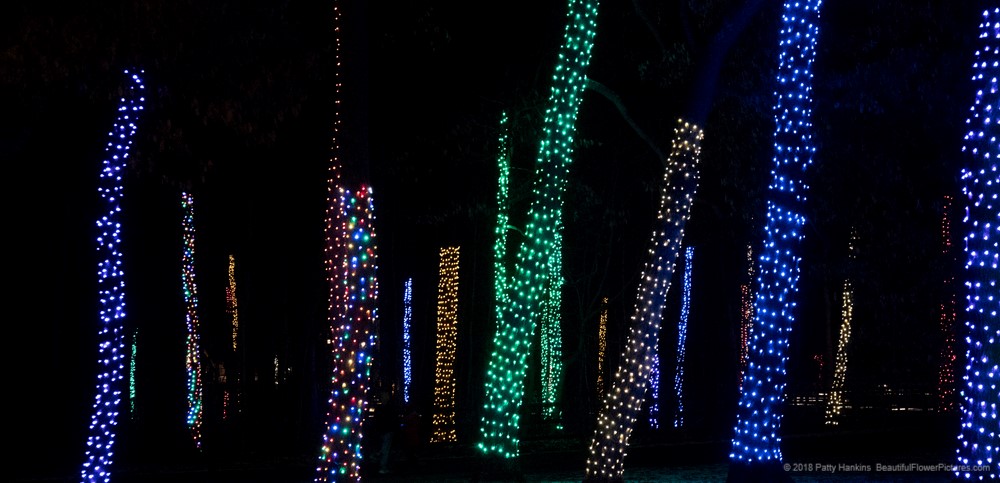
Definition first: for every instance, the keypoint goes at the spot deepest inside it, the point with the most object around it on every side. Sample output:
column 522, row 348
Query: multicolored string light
column 757, row 435
column 354, row 315
column 979, row 436
column 948, row 316
column 602, row 345
column 443, row 420
column 407, row 318
column 746, row 314
column 835, row 402
column 100, row 453
column 193, row 353
column 551, row 333
column 516, row 327
column 682, row 325
column 623, row 402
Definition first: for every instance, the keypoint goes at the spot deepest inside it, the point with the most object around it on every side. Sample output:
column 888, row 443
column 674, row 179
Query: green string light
column 516, row 324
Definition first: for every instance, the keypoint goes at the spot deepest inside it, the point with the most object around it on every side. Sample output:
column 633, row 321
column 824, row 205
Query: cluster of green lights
column 551, row 344
column 500, row 282
column 516, row 325
column 835, row 403
column 193, row 358
column 131, row 373
column 623, row 402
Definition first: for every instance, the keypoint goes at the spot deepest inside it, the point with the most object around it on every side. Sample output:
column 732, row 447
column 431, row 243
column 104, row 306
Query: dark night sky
column 240, row 99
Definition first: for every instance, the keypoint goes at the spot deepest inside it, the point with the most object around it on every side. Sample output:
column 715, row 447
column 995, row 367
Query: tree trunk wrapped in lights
column 979, row 436
column 443, row 420
column 835, row 402
column 551, row 332
column 349, row 259
column 756, row 447
column 948, row 315
column 195, row 407
column 682, row 338
column 515, row 328
column 623, row 402
column 100, row 452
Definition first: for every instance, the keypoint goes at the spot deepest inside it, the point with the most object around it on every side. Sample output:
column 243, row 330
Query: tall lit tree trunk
column 756, row 448
column 100, row 452
column 979, row 436
column 515, row 329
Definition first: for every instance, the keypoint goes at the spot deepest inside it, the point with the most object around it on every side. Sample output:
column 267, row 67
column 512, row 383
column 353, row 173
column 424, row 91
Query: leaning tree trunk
column 515, row 329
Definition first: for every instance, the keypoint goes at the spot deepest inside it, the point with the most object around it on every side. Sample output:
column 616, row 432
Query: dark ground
column 887, row 438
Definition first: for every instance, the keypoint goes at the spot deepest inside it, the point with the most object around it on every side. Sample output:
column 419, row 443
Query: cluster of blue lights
column 682, row 328
column 757, row 437
column 979, row 436
column 111, row 288
column 407, row 318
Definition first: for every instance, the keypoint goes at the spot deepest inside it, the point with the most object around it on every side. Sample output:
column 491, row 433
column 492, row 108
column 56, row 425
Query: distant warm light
column 623, row 402
column 948, row 315
column 835, row 402
column 231, row 306
column 602, row 345
column 507, row 367
column 979, row 436
column 443, row 421
column 100, row 453
column 756, row 444
column 193, row 358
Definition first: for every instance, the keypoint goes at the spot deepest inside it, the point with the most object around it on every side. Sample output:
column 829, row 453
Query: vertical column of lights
column 551, row 332
column 978, row 439
column 443, row 421
column 746, row 315
column 949, row 314
column 757, row 435
column 835, row 403
column 500, row 278
column 654, row 383
column 99, row 455
column 682, row 338
column 407, row 318
column 131, row 374
column 624, row 401
column 512, row 342
column 232, row 309
column 193, row 354
column 354, row 313
column 602, row 345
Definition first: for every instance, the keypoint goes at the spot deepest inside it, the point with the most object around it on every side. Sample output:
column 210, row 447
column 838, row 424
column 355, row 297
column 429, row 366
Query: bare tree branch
column 617, row 101
column 649, row 25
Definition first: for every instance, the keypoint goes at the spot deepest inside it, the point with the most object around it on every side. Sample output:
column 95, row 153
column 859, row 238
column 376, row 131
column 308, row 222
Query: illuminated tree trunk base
column 623, row 402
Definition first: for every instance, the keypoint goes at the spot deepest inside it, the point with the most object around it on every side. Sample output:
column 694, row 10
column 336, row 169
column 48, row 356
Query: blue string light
column 682, row 325
column 757, row 438
column 407, row 317
column 978, row 436
column 99, row 455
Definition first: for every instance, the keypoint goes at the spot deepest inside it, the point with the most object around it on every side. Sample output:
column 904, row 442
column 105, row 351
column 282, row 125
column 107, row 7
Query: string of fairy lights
column 835, row 401
column 353, row 336
column 550, row 346
column 131, row 373
column 500, row 279
column 746, row 314
column 443, row 419
column 407, row 320
column 978, row 452
column 623, row 402
column 193, row 352
column 602, row 345
column 654, row 385
column 506, row 370
column 232, row 309
column 682, row 325
column 948, row 316
column 757, row 435
column 100, row 452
